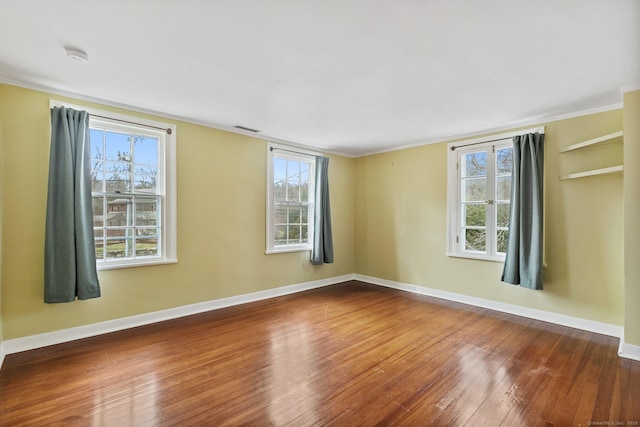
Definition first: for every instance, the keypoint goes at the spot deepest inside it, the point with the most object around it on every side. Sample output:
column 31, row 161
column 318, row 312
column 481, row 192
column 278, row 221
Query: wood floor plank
column 511, row 395
column 349, row 354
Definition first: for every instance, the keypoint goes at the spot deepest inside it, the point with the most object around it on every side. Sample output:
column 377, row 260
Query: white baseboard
column 2, row 354
column 546, row 316
column 56, row 337
column 629, row 351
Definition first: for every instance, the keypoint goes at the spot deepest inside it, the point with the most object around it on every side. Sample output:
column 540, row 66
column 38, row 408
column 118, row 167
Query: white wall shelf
column 594, row 172
column 618, row 169
column 591, row 142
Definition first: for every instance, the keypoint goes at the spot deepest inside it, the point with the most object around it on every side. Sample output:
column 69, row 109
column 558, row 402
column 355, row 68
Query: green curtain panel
column 523, row 263
column 70, row 262
column 322, row 238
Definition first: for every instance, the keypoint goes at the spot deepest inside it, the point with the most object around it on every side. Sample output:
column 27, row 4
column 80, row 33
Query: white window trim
column 294, row 153
column 455, row 248
column 168, row 158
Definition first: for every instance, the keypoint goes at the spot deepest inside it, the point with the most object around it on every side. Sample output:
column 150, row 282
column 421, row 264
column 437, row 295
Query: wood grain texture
column 348, row 354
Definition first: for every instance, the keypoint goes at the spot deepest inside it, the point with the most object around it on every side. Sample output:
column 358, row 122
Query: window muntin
column 290, row 197
column 480, row 201
column 127, row 202
column 131, row 201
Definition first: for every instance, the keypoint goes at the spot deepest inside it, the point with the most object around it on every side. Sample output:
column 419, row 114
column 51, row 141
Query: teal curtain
column 70, row 262
column 322, row 252
column 523, row 263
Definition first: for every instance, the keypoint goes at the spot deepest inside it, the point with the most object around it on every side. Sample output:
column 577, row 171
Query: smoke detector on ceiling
column 77, row 55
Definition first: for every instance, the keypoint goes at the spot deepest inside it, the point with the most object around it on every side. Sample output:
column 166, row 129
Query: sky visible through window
column 117, row 145
column 123, row 162
column 290, row 170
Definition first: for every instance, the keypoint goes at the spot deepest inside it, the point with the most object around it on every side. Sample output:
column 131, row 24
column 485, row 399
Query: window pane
column 294, row 234
column 475, row 164
column 304, row 214
column 98, row 211
column 293, row 191
column 503, row 210
column 280, row 215
column 504, row 161
column 98, row 235
column 304, row 182
column 118, row 146
column 304, row 235
column 280, row 235
column 145, row 150
column 119, row 212
column 475, row 215
column 97, row 180
column 474, row 189
column 97, row 175
column 117, row 177
column 96, row 137
column 147, row 211
column 119, row 245
column 503, row 188
column 502, row 237
column 293, row 170
column 279, row 169
column 117, row 184
column 279, row 191
column 294, row 215
column 144, row 184
column 147, row 247
column 147, row 241
column 475, row 240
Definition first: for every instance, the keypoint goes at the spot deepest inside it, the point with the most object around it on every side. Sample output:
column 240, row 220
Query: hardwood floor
column 350, row 354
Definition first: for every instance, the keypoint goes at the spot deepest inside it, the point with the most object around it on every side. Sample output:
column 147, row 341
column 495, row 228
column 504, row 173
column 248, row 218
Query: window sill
column 476, row 256
column 112, row 265
column 290, row 249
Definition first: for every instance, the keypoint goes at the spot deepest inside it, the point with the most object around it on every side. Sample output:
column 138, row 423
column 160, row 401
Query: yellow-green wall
column 389, row 218
column 632, row 216
column 401, row 225
column 221, row 225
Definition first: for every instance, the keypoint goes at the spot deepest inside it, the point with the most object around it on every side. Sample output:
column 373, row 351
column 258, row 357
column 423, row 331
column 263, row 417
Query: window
column 132, row 189
column 483, row 193
column 290, row 199
column 479, row 199
column 479, row 192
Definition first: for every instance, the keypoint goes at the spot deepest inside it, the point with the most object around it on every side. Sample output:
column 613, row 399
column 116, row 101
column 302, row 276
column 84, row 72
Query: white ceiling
column 349, row 76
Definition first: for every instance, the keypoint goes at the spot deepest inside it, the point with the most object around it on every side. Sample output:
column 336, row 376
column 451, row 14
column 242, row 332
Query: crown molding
column 630, row 88
column 512, row 126
column 532, row 121
column 161, row 115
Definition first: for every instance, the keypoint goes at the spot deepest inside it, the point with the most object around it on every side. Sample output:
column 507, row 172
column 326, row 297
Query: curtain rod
column 168, row 130
column 509, row 136
column 295, row 152
column 453, row 147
